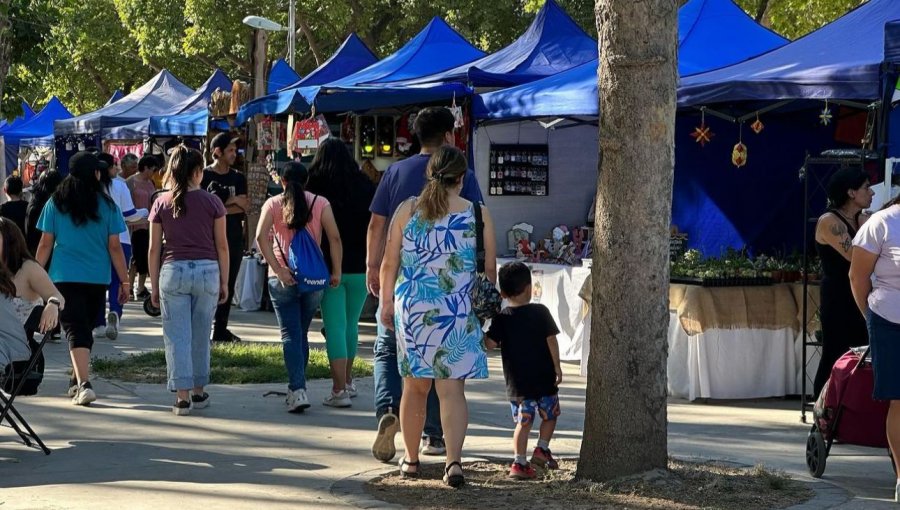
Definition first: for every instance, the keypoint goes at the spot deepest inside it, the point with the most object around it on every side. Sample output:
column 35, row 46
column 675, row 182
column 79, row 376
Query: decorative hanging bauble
column 702, row 134
column 739, row 155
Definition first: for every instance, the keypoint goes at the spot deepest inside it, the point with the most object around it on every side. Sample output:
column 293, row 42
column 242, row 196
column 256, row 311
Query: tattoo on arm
column 840, row 232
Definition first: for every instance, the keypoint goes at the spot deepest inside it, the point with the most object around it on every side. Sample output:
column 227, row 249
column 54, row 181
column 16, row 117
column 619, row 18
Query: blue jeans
column 188, row 293
column 389, row 384
column 113, row 292
column 294, row 311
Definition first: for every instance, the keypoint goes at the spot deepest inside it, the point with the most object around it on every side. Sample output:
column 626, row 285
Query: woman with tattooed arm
column 843, row 326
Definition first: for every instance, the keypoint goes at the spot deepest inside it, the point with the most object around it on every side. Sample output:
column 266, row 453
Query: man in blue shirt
column 403, row 180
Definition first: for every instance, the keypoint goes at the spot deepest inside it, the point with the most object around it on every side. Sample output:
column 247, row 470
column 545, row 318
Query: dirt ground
column 685, row 485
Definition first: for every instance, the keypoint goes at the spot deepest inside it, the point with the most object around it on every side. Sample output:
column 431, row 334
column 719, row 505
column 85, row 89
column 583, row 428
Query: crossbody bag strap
column 479, row 238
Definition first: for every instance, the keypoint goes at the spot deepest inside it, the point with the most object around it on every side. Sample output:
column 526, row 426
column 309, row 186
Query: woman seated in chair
column 13, row 344
column 32, row 284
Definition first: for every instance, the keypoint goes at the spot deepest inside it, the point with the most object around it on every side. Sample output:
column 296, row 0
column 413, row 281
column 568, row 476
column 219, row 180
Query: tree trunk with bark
column 5, row 43
column 625, row 415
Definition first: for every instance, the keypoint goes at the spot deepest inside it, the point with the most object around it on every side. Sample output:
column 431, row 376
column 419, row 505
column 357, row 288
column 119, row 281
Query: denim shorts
column 884, row 342
column 524, row 411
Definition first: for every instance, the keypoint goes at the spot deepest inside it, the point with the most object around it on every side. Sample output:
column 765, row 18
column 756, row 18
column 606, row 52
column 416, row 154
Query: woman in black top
column 842, row 324
column 336, row 176
column 41, row 193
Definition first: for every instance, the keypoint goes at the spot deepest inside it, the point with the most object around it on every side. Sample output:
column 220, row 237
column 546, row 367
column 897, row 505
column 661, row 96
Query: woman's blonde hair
column 446, row 168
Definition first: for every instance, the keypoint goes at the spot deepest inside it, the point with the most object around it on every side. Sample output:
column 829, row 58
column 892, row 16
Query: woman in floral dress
column 430, row 254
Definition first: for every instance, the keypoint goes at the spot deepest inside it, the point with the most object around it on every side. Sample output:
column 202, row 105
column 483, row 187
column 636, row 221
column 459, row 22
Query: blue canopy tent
column 552, row 44
column 158, row 95
column 114, row 97
column 702, row 26
column 38, row 126
column 352, row 56
column 280, row 76
column 27, row 114
column 190, row 106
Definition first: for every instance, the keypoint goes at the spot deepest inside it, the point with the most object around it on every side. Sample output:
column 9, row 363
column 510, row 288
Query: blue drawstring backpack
column 304, row 259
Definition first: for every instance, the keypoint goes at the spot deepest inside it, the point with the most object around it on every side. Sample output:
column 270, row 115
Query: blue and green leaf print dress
column 438, row 336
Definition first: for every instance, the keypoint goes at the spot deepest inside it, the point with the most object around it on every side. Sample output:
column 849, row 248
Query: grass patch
column 241, row 363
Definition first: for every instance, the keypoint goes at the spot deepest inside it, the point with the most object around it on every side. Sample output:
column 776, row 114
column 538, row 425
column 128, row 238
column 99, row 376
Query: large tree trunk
column 625, row 415
column 5, row 43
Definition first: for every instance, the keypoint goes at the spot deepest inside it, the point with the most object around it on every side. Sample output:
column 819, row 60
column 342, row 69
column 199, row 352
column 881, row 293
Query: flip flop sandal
column 455, row 481
column 409, row 474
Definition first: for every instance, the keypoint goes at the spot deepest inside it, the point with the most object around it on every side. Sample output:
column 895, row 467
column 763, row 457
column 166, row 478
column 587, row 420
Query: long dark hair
column 445, row 169
column 15, row 249
column 105, row 178
column 79, row 196
column 183, row 163
column 332, row 171
column 45, row 187
column 7, row 286
column 295, row 210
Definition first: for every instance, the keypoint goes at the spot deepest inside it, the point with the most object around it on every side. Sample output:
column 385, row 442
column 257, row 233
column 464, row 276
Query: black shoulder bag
column 485, row 297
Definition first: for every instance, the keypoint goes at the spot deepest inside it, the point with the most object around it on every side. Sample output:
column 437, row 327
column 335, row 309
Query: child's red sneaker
column 522, row 472
column 543, row 458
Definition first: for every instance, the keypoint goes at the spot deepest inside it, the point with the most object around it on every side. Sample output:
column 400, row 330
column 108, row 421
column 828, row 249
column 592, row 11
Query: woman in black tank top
column 842, row 324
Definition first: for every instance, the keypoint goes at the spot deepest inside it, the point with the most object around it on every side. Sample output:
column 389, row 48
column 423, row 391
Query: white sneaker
column 99, row 332
column 84, row 395
column 351, row 390
column 897, row 492
column 73, row 389
column 297, row 401
column 339, row 399
column 112, row 326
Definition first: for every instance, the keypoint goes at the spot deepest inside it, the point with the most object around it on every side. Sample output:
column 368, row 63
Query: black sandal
column 409, row 474
column 454, row 481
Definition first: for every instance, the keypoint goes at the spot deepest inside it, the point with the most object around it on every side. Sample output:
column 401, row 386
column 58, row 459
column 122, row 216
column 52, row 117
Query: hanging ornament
column 825, row 116
column 757, row 126
column 81, row 146
column 69, row 145
column 739, row 152
column 702, row 134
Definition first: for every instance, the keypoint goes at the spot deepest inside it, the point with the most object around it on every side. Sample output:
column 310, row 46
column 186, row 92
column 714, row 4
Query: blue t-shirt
column 406, row 179
column 81, row 252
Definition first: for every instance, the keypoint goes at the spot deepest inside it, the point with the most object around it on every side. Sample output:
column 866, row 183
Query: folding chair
column 8, row 414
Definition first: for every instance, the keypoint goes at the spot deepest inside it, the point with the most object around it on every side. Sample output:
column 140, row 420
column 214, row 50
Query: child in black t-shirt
column 526, row 335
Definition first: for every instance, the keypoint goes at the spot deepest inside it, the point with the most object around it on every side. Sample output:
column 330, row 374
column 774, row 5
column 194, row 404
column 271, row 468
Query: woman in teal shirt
column 80, row 227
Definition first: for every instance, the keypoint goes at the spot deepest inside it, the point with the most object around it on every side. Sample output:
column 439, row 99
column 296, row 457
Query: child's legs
column 547, row 428
column 548, row 408
column 523, row 414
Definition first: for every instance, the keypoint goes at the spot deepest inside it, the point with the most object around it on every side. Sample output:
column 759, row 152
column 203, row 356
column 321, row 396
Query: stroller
column 845, row 411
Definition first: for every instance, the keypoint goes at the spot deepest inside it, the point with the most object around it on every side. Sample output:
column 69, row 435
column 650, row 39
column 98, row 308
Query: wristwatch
column 53, row 301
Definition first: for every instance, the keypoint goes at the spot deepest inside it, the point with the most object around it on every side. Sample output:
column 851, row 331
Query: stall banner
column 309, row 134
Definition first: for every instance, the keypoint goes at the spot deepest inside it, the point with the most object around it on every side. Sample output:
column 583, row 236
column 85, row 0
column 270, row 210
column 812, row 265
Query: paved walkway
column 129, row 450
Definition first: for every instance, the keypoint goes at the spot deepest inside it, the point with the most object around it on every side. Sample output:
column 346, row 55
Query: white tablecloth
column 557, row 288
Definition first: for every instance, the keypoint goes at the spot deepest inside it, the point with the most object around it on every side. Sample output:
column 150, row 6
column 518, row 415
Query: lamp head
column 260, row 23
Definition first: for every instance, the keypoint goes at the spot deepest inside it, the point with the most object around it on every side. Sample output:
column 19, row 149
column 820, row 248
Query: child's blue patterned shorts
column 524, row 411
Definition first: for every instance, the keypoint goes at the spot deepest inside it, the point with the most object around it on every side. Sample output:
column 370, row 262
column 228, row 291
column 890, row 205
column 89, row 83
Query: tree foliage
column 796, row 18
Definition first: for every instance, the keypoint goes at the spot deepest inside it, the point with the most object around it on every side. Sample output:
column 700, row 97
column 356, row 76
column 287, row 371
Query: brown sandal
column 409, row 474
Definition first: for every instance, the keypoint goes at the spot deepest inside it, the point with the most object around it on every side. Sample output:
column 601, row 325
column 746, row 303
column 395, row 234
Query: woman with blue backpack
column 289, row 235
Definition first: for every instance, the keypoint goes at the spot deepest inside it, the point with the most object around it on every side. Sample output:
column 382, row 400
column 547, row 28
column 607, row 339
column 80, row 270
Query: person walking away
column 193, row 278
column 284, row 216
column 526, row 335
column 428, row 272
column 231, row 187
column 848, row 195
column 80, row 228
column 142, row 188
column 40, row 194
column 335, row 176
column 401, row 181
column 875, row 281
column 15, row 206
column 107, row 325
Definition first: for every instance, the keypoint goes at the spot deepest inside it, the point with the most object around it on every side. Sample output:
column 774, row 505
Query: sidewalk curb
column 352, row 489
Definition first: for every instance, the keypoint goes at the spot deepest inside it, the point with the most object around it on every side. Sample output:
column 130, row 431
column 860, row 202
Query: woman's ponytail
column 295, row 210
column 446, row 168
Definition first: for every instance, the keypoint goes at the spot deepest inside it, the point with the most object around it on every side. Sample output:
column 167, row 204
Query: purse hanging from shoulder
column 486, row 300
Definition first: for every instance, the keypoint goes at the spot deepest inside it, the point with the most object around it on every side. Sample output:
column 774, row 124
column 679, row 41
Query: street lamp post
column 260, row 23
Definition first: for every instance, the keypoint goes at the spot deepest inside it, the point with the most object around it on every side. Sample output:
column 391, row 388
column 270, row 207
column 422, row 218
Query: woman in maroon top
column 193, row 279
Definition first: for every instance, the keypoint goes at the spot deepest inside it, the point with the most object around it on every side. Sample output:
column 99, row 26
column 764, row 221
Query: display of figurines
column 517, row 233
column 525, row 250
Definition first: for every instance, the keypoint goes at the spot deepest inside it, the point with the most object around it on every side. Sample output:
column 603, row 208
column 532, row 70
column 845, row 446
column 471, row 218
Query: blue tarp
column 158, row 95
column 114, row 97
column 159, row 124
column 39, row 126
column 552, row 44
column 838, row 61
column 27, row 114
column 281, row 76
column 349, row 58
column 574, row 92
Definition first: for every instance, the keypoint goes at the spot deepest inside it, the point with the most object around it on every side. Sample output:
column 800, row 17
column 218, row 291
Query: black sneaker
column 143, row 294
column 226, row 337
column 181, row 407
column 200, row 401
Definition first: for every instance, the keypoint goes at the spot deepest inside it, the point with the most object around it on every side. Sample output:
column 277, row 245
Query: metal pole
column 292, row 32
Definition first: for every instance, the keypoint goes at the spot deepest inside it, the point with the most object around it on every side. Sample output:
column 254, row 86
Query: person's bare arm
column 334, row 244
column 40, row 283
column 554, row 353
column 490, row 246
column 862, row 265
column 222, row 252
column 237, row 204
column 154, row 261
column 45, row 248
column 374, row 252
column 834, row 233
column 265, row 247
column 390, row 265
column 117, row 254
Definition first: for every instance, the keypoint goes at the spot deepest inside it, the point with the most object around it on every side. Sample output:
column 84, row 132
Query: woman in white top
column 108, row 324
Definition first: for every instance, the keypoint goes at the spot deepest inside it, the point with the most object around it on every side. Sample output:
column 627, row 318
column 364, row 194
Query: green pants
column 341, row 307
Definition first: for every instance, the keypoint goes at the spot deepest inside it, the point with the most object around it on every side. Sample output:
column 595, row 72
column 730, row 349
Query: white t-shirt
column 119, row 192
column 880, row 235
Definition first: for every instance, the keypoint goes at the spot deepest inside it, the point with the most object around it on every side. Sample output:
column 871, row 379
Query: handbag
column 305, row 260
column 486, row 300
